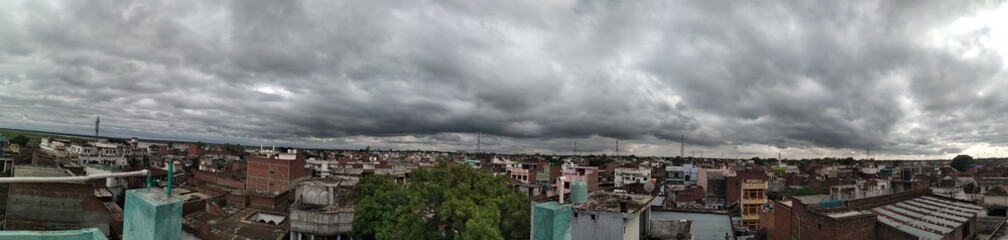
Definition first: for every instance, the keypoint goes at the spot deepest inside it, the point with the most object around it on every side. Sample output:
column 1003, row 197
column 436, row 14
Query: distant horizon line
column 115, row 136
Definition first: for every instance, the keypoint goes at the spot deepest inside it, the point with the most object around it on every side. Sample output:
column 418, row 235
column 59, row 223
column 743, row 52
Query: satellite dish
column 648, row 186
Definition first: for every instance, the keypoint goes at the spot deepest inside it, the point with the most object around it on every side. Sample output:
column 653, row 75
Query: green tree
column 758, row 161
column 450, row 201
column 599, row 161
column 19, row 140
column 678, row 161
column 961, row 162
column 848, row 161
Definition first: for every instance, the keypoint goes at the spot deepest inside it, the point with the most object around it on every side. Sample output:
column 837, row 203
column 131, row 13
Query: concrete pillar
column 150, row 215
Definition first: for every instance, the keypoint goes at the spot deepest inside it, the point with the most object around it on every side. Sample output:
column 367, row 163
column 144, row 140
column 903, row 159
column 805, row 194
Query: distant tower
column 617, row 147
column 682, row 146
column 477, row 142
column 96, row 122
column 575, row 148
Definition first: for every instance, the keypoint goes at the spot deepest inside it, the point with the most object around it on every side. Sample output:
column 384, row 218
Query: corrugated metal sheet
column 908, row 229
column 913, row 222
column 957, row 204
column 954, row 215
column 921, row 216
column 947, row 217
column 926, row 217
column 947, row 206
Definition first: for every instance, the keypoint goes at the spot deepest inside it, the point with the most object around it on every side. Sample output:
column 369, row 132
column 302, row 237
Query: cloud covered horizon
column 918, row 79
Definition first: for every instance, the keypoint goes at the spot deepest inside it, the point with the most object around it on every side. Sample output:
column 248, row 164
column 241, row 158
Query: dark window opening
column 966, row 230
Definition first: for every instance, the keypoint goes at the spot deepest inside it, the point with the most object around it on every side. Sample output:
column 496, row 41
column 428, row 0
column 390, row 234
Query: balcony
column 749, row 217
column 754, row 200
column 754, row 185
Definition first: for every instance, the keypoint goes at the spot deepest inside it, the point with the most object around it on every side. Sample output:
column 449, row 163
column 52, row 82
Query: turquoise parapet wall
column 152, row 215
column 551, row 221
column 83, row 234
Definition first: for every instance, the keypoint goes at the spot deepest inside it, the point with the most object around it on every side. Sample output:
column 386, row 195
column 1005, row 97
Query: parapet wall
column 873, row 202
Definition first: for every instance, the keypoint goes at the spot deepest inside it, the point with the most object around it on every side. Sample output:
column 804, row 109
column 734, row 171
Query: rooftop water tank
column 579, row 192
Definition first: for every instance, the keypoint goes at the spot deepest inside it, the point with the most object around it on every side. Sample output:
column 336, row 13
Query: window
column 575, row 214
column 593, row 217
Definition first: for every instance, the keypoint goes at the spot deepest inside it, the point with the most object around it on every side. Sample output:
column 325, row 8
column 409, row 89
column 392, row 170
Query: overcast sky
column 905, row 79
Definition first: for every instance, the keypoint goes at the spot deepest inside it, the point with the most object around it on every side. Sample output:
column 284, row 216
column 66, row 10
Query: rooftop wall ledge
column 152, row 214
column 83, row 234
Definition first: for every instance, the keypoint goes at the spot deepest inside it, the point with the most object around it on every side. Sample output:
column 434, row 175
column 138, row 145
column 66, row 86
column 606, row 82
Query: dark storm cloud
column 531, row 76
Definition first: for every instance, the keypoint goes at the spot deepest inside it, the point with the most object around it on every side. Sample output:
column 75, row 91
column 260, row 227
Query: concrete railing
column 754, row 186
column 754, row 200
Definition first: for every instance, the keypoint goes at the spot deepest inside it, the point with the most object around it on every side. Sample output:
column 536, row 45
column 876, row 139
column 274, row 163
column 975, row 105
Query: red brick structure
column 56, row 206
column 221, row 178
column 904, row 215
column 195, row 150
column 733, row 184
column 275, row 175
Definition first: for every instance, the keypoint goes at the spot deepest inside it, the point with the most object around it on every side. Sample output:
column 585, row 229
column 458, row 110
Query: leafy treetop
column 450, row 201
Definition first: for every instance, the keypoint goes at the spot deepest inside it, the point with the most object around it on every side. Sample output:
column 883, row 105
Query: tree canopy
column 599, row 161
column 961, row 162
column 20, row 140
column 447, row 202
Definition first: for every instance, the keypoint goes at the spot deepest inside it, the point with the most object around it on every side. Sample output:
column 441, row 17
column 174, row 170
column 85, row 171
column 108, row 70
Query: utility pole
column 575, row 148
column 617, row 147
column 682, row 145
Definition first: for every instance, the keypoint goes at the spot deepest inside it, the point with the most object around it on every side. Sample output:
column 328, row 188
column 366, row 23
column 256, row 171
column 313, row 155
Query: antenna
column 682, row 145
column 477, row 142
column 575, row 148
column 96, row 122
column 617, row 146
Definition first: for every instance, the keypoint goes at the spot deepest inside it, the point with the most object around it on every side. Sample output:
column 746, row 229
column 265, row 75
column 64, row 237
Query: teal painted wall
column 551, row 221
column 152, row 215
column 83, row 234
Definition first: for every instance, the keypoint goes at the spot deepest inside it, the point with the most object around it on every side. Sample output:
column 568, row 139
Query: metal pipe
column 74, row 178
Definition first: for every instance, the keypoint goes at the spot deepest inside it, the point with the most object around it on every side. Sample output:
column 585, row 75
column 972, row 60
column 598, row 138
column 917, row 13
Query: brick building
column 276, row 174
column 748, row 189
column 906, row 215
column 59, row 205
column 589, row 175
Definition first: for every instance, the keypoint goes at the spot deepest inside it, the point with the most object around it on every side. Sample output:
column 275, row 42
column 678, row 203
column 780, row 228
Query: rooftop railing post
column 171, row 175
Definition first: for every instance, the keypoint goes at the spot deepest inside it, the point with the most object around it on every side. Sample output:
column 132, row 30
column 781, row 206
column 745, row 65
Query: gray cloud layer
column 737, row 77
